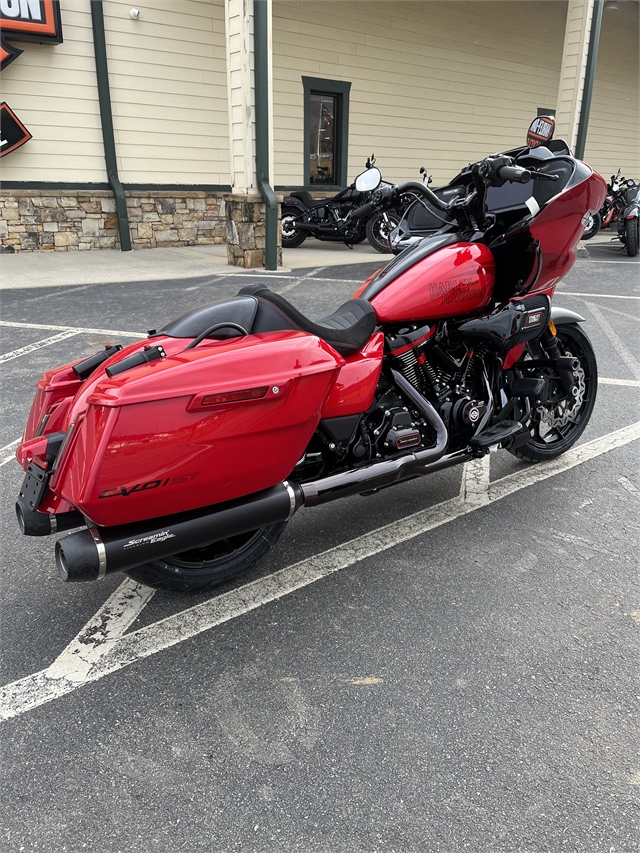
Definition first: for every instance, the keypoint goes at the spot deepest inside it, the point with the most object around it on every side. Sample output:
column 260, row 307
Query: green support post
column 261, row 53
column 590, row 73
column 106, row 120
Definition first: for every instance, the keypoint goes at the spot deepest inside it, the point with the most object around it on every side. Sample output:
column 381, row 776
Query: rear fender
column 294, row 202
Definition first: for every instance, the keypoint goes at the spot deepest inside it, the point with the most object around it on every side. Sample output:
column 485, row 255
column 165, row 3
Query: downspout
column 590, row 73
column 106, row 120
column 261, row 53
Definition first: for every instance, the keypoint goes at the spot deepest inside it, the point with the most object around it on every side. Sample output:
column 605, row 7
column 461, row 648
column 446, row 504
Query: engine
column 448, row 373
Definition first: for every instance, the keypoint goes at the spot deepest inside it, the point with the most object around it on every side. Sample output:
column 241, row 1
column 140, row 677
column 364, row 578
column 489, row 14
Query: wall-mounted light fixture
column 134, row 14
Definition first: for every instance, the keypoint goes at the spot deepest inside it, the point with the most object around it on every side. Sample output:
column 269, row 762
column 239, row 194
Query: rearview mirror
column 540, row 131
column 369, row 180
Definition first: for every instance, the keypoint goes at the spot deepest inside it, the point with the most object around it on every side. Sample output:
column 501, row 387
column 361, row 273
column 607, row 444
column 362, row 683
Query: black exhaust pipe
column 33, row 523
column 98, row 551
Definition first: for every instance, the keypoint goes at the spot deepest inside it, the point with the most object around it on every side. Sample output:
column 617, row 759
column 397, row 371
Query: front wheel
column 292, row 236
column 555, row 427
column 379, row 228
column 204, row 568
column 631, row 228
column 592, row 223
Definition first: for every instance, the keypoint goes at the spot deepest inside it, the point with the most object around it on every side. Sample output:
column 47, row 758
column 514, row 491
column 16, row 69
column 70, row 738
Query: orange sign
column 28, row 20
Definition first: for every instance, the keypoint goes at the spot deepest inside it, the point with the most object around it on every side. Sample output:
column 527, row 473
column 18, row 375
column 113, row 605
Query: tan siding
column 53, row 91
column 167, row 73
column 435, row 83
column 613, row 138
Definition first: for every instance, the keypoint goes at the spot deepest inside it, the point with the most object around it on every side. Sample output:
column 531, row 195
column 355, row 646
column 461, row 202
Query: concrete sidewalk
column 57, row 269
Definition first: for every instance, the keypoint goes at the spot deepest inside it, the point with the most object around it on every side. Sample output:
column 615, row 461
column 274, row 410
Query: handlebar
column 514, row 173
column 493, row 171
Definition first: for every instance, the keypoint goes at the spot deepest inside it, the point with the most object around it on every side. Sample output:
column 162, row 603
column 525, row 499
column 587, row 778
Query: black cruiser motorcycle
column 324, row 218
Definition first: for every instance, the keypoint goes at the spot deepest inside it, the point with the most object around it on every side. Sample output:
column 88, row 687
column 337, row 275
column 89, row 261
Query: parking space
column 447, row 665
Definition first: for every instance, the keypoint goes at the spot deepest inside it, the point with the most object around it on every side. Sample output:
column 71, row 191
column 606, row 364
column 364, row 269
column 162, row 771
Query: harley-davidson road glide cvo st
column 183, row 456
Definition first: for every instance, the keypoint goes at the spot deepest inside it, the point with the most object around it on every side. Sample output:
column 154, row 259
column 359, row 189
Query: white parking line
column 624, row 314
column 618, row 344
column 117, row 614
column 298, row 281
column 45, row 342
column 627, row 383
column 7, row 453
column 113, row 654
column 79, row 331
column 593, row 295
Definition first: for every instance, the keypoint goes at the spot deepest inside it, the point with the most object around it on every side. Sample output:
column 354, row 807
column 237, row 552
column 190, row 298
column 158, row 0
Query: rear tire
column 378, row 231
column 555, row 428
column 592, row 226
column 291, row 236
column 631, row 228
column 204, row 568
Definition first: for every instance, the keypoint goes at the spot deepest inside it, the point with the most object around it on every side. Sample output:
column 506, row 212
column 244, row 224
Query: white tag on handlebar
column 533, row 205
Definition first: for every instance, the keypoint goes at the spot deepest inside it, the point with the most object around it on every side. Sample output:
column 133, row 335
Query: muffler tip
column 20, row 517
column 77, row 558
column 61, row 563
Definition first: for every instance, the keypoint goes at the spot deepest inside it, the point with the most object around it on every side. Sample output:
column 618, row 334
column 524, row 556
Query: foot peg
column 495, row 434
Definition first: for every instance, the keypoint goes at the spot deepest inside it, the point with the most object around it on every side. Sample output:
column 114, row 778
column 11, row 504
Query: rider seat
column 306, row 199
column 347, row 330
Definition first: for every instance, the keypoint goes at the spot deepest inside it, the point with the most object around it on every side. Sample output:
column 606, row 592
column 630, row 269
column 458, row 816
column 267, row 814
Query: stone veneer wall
column 246, row 231
column 79, row 220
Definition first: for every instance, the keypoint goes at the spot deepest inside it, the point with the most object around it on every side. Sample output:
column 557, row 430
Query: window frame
column 340, row 89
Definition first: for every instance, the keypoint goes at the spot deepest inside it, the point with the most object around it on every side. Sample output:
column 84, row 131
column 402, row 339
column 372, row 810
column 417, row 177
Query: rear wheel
column 292, row 236
column 204, row 568
column 555, row 427
column 379, row 229
column 631, row 228
column 592, row 223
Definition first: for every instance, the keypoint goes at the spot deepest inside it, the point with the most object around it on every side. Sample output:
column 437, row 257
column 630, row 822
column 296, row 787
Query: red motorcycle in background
column 183, row 456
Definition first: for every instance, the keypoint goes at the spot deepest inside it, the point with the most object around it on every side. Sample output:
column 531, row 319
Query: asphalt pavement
column 448, row 665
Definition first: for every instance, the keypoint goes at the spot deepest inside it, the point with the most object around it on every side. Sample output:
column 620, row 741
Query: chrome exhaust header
column 378, row 475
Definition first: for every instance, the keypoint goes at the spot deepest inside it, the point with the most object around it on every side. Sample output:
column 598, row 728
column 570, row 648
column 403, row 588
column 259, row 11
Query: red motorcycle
column 182, row 457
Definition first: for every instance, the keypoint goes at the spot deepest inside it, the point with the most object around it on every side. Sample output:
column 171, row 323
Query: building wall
column 433, row 83
column 167, row 72
column 53, row 91
column 613, row 139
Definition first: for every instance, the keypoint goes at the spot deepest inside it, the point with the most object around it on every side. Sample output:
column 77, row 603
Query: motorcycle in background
column 324, row 219
column 181, row 457
column 610, row 210
column 629, row 222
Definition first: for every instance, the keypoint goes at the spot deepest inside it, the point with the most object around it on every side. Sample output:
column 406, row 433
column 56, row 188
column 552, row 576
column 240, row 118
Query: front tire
column 554, row 428
column 593, row 223
column 204, row 568
column 291, row 235
column 379, row 231
column 631, row 228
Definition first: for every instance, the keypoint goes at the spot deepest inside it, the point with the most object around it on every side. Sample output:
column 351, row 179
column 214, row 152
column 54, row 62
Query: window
column 326, row 131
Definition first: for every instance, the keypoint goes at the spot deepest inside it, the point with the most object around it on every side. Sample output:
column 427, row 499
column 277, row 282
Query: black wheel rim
column 553, row 437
